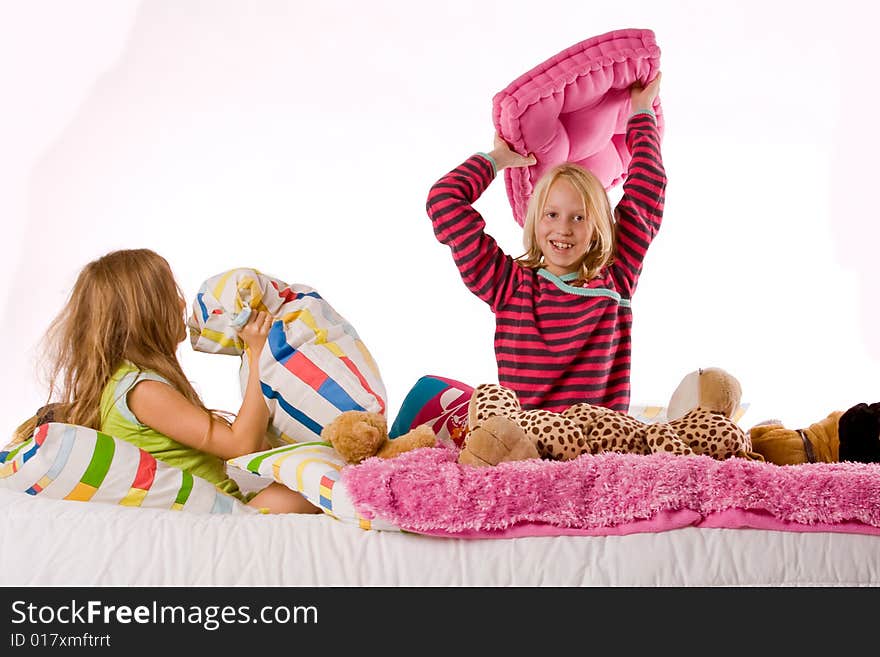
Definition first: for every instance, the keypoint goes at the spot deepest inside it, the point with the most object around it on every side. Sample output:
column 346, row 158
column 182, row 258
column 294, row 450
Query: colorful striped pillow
column 314, row 366
column 440, row 403
column 69, row 462
column 312, row 469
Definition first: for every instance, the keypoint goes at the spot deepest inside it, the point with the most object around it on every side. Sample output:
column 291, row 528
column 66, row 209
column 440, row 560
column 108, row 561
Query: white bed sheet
column 56, row 543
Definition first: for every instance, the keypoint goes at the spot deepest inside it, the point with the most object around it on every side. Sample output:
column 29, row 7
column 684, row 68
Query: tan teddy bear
column 357, row 435
column 500, row 430
column 818, row 443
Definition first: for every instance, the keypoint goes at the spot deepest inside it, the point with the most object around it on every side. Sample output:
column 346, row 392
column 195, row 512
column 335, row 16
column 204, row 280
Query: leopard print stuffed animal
column 501, row 431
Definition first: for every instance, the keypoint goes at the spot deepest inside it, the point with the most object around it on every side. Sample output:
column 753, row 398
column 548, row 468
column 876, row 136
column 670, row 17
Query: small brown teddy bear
column 501, row 431
column 358, row 435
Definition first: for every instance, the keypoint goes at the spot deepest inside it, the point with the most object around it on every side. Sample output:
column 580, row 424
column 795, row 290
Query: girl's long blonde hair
column 124, row 306
column 600, row 254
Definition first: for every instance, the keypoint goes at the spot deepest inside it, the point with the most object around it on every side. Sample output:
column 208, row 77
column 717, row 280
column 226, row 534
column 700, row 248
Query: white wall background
column 301, row 138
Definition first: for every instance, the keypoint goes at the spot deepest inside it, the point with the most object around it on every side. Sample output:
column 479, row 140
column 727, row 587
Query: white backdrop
column 301, row 138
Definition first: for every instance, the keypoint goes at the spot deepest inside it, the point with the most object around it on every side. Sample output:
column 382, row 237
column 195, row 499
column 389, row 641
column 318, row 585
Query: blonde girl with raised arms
column 562, row 310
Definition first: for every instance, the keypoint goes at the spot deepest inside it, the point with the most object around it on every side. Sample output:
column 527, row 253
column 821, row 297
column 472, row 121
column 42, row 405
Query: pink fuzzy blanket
column 426, row 491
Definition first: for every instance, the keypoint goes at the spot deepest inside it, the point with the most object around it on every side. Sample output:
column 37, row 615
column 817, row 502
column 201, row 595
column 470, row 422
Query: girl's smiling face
column 563, row 230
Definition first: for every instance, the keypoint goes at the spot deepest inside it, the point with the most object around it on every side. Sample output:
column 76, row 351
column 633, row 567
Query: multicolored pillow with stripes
column 70, row 462
column 314, row 365
column 440, row 403
column 312, row 469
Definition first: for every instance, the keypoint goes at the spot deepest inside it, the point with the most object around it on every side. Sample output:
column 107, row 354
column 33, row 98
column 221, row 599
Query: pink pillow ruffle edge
column 574, row 108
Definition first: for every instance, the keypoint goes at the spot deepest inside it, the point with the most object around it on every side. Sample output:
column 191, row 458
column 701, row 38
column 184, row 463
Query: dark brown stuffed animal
column 48, row 413
column 859, row 430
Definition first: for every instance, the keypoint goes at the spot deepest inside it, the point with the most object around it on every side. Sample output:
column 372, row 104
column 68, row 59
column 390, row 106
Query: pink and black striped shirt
column 557, row 344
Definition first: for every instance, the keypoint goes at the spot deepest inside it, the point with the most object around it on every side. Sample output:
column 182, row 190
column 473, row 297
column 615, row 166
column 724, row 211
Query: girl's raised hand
column 642, row 97
column 255, row 332
column 504, row 157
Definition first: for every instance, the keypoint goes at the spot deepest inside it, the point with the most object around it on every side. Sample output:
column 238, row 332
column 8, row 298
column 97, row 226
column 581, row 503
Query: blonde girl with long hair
column 563, row 318
column 114, row 368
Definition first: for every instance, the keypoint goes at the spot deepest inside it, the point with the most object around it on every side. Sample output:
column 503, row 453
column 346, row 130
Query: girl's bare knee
column 277, row 498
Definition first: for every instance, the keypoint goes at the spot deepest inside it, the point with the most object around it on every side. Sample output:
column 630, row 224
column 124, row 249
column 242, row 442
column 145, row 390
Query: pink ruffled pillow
column 574, row 108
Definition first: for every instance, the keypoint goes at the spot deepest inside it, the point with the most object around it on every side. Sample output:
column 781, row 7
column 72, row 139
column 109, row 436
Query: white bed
column 46, row 542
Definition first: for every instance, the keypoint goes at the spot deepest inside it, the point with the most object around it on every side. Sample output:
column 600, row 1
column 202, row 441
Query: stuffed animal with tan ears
column 500, row 430
column 358, row 435
column 711, row 388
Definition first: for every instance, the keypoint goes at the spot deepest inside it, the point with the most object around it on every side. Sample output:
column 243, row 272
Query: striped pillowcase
column 314, row 365
column 440, row 403
column 312, row 469
column 70, row 462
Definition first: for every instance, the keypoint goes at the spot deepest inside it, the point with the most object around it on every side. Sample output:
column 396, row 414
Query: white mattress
column 56, row 543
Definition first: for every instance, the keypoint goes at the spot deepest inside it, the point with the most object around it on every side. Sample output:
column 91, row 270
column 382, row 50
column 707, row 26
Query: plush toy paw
column 358, row 435
column 496, row 440
column 420, row 436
